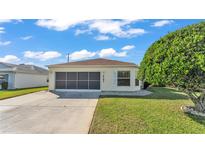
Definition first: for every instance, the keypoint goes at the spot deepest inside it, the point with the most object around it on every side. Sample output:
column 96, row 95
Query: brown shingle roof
column 99, row 61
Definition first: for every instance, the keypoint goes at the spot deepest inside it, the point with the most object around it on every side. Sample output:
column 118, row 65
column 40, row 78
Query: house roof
column 95, row 62
column 8, row 64
column 23, row 68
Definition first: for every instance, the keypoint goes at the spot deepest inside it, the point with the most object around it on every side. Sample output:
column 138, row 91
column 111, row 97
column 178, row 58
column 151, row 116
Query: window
column 123, row 78
column 137, row 82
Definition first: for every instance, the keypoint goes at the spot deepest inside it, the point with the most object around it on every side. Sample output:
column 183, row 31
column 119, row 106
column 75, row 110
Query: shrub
column 178, row 59
column 4, row 85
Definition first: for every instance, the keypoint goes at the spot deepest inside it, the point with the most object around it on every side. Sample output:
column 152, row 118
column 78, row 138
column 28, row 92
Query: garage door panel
column 60, row 84
column 83, row 76
column 94, row 76
column 60, row 76
column 72, row 85
column 82, row 84
column 94, row 84
column 72, row 76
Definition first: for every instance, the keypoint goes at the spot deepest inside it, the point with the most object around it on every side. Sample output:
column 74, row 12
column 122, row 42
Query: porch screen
column 77, row 80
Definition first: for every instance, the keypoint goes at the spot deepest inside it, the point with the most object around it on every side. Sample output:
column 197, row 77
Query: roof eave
column 70, row 66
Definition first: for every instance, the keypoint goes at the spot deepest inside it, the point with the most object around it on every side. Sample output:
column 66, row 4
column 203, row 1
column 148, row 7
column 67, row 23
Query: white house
column 22, row 76
column 94, row 75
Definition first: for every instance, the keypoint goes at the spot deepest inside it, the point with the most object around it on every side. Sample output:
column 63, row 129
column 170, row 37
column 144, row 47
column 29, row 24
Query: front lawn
column 13, row 93
column 158, row 113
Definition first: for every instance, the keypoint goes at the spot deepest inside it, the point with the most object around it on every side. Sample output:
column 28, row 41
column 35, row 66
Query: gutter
column 87, row 66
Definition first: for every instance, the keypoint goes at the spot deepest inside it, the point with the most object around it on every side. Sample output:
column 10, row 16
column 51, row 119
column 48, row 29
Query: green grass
column 158, row 113
column 18, row 92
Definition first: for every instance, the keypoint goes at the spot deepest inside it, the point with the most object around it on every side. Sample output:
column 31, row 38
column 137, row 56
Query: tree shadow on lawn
column 158, row 93
column 198, row 119
column 166, row 93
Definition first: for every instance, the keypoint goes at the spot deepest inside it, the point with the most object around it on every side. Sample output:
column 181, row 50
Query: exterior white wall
column 11, row 81
column 108, row 77
column 23, row 80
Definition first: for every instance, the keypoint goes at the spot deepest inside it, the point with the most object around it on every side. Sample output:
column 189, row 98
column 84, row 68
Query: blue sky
column 43, row 42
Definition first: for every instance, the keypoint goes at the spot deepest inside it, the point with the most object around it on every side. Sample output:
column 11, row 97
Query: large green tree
column 178, row 59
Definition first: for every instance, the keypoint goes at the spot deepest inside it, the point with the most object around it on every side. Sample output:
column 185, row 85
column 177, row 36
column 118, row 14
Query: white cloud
column 111, row 52
column 120, row 54
column 57, row 24
column 102, row 37
column 162, row 23
column 82, row 54
column 5, row 20
column 106, row 26
column 26, row 37
column 82, row 31
column 134, row 32
column 10, row 20
column 9, row 59
column 42, row 55
column 128, row 47
column 85, row 54
column 117, row 28
column 2, row 30
column 5, row 43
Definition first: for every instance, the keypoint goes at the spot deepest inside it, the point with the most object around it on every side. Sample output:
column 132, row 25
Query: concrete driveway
column 44, row 112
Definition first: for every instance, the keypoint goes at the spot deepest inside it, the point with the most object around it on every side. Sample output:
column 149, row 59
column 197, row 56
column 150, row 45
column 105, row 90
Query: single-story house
column 94, row 75
column 22, row 76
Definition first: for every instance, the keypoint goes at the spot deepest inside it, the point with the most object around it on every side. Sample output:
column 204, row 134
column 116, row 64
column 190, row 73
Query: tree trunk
column 200, row 105
column 199, row 101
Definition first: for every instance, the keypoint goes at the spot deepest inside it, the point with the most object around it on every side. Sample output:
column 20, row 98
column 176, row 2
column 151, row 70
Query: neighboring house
column 96, row 74
column 22, row 76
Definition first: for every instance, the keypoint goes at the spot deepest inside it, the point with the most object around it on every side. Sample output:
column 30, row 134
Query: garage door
column 77, row 80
